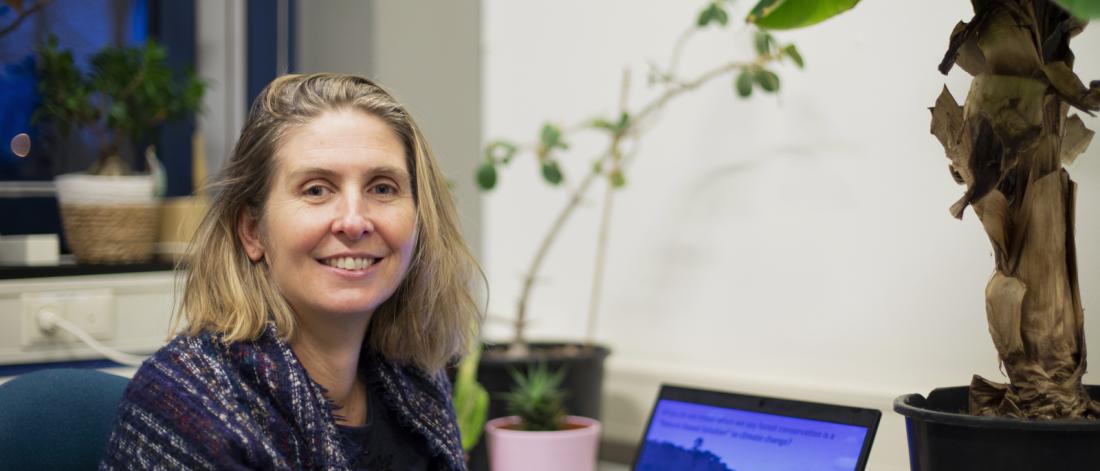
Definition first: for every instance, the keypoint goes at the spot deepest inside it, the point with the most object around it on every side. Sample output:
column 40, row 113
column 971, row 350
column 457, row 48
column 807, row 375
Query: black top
column 380, row 445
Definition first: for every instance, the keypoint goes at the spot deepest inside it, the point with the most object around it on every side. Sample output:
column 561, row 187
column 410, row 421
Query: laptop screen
column 725, row 431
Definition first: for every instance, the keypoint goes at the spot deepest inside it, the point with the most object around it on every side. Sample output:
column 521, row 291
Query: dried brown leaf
column 1076, row 139
column 993, row 211
column 1070, row 88
column 1004, row 299
column 947, row 120
column 985, row 163
column 1007, row 43
column 970, row 57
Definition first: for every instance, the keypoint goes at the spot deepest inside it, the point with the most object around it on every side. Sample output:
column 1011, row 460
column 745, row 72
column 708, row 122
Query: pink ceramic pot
column 516, row 450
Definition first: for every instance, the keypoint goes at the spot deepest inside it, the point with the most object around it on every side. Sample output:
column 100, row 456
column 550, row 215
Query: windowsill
column 11, row 272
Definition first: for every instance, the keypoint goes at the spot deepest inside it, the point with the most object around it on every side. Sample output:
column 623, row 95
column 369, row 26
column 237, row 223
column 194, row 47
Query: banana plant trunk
column 1008, row 144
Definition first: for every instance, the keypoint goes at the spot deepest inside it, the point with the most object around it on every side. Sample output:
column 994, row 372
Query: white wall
column 426, row 54
column 797, row 245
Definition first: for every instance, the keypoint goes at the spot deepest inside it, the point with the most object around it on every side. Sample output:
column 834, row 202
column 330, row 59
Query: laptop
column 693, row 429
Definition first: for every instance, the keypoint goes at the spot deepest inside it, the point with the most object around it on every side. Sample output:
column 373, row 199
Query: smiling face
column 339, row 224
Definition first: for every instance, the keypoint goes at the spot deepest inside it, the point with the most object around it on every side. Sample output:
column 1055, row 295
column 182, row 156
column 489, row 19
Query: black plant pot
column 942, row 436
column 583, row 381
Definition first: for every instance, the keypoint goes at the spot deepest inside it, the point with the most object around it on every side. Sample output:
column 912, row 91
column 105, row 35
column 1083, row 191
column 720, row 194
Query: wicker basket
column 110, row 233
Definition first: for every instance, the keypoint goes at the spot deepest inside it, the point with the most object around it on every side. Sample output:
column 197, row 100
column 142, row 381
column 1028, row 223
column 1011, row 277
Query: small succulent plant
column 537, row 398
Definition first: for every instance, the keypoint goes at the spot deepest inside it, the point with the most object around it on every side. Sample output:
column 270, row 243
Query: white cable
column 49, row 322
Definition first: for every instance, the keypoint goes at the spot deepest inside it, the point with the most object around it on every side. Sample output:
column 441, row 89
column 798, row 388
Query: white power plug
column 50, row 324
column 47, row 318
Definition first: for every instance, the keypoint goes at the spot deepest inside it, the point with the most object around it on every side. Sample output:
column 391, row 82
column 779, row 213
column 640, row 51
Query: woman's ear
column 248, row 229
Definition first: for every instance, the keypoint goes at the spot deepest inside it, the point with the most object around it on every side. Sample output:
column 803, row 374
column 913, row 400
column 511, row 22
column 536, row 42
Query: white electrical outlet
column 90, row 310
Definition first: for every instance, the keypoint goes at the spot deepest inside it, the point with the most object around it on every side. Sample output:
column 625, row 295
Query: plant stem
column 605, row 220
column 519, row 344
column 597, row 271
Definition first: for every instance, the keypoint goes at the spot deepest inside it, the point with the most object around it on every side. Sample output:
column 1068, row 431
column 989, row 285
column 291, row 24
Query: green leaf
column 551, row 137
column 500, row 151
column 743, row 84
column 792, row 52
column 764, row 43
column 713, row 13
column 722, row 17
column 705, row 16
column 472, row 419
column 617, row 179
column 791, row 14
column 767, row 80
column 1083, row 9
column 601, row 123
column 624, row 121
column 471, row 400
column 616, row 127
column 486, row 176
column 551, row 172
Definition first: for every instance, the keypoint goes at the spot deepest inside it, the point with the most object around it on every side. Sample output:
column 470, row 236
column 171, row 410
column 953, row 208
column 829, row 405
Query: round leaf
column 486, row 176
column 767, row 80
column 743, row 84
column 705, row 16
column 791, row 14
column 551, row 172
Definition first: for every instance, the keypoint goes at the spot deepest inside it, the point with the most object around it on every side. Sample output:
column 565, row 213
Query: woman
column 327, row 287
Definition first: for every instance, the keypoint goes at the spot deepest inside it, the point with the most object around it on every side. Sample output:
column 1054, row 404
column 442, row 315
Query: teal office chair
column 57, row 419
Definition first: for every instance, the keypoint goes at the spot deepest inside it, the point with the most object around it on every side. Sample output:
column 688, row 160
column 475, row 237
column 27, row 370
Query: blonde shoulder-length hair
column 431, row 317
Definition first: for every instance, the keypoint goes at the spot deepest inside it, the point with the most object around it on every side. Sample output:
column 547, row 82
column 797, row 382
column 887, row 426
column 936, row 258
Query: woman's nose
column 352, row 219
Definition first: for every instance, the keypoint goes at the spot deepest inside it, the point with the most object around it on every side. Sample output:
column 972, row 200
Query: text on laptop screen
column 686, row 436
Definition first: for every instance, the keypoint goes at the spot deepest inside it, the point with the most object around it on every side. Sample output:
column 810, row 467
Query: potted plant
column 621, row 133
column 539, row 435
column 1008, row 144
column 109, row 214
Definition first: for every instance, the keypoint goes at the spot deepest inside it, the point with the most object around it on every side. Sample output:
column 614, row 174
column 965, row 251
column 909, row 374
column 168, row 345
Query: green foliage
column 65, row 95
column 764, row 42
column 743, row 83
column 790, row 51
column 551, row 138
column 551, row 172
column 768, row 80
column 616, row 128
column 127, row 92
column 1082, row 9
column 486, row 175
column 537, row 398
column 791, row 14
column 632, row 122
column 713, row 13
column 500, row 152
column 471, row 401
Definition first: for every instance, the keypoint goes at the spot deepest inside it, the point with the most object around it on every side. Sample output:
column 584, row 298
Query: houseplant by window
column 1008, row 144
column 109, row 214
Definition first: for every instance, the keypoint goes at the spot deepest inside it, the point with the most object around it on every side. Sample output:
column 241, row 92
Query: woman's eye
column 316, row 191
column 384, row 189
